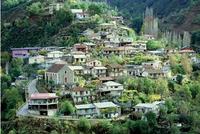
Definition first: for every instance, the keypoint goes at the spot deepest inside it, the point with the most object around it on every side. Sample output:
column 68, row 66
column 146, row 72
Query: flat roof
column 105, row 104
column 102, row 67
column 85, row 106
column 76, row 67
column 112, row 83
column 43, row 96
column 145, row 105
column 79, row 56
column 26, row 48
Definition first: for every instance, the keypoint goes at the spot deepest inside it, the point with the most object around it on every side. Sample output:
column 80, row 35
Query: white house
column 152, row 64
column 79, row 13
column 79, row 58
column 112, row 88
column 146, row 107
column 80, row 94
column 107, row 109
column 93, row 63
column 36, row 59
column 99, row 71
column 55, row 54
column 43, row 104
column 72, row 73
column 86, row 110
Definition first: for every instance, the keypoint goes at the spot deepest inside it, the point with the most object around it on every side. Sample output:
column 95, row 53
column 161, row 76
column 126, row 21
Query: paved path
column 32, row 87
column 23, row 110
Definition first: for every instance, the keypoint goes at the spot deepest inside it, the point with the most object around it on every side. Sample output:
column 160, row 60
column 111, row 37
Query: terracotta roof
column 55, row 68
column 80, row 46
column 43, row 96
column 77, row 89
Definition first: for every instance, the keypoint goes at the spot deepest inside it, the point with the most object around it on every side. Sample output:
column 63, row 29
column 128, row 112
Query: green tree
column 66, row 108
column 162, row 87
column 103, row 127
column 16, row 67
column 64, row 17
column 187, row 64
column 94, row 9
column 11, row 100
column 84, row 125
column 35, row 8
column 153, row 45
column 151, row 119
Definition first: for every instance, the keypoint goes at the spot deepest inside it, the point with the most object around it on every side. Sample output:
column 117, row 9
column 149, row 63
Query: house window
column 65, row 72
column 116, row 86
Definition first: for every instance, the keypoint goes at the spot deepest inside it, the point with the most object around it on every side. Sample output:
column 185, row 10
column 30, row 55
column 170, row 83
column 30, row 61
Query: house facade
column 73, row 72
column 57, row 73
column 115, row 70
column 80, row 95
column 99, row 71
column 55, row 54
column 86, row 110
column 101, row 109
column 107, row 109
column 111, row 88
column 93, row 63
column 23, row 52
column 36, row 59
column 43, row 104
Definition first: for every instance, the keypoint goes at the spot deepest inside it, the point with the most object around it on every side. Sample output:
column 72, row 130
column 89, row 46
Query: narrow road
column 32, row 87
column 23, row 110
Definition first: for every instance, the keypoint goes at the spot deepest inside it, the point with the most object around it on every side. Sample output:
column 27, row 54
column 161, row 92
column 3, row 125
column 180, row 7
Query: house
column 80, row 94
column 134, row 70
column 152, row 64
column 80, row 47
column 146, row 107
column 115, row 70
column 149, row 107
column 186, row 50
column 89, row 45
column 111, row 88
column 153, row 73
column 85, row 110
column 79, row 14
column 73, row 72
column 112, row 50
column 55, row 54
column 79, row 58
column 140, row 46
column 93, row 63
column 49, row 62
column 43, row 104
column 107, row 109
column 99, row 71
column 148, row 37
column 36, row 59
column 57, row 73
column 23, row 52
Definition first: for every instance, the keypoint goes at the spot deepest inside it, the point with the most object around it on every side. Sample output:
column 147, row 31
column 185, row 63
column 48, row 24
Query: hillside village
column 114, row 74
column 89, row 71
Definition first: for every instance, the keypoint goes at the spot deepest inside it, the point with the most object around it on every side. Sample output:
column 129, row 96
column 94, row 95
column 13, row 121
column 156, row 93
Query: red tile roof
column 43, row 96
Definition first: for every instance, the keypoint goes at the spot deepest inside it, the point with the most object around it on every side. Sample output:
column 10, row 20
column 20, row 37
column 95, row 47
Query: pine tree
column 150, row 23
column 186, row 39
